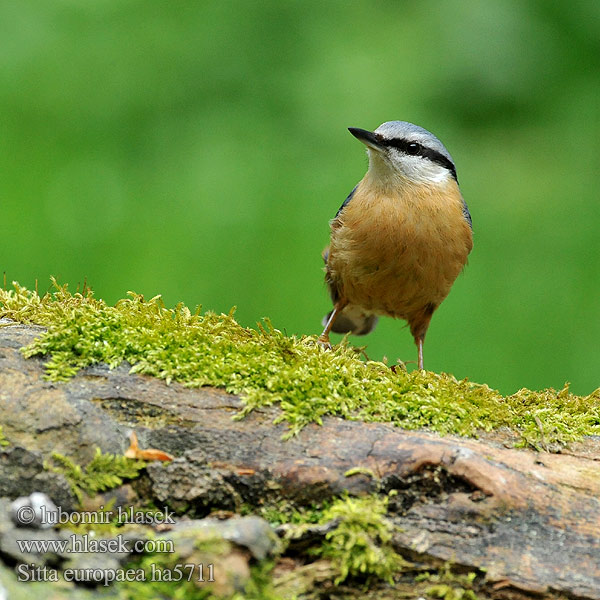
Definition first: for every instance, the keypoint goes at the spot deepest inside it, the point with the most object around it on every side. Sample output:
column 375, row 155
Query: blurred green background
column 198, row 149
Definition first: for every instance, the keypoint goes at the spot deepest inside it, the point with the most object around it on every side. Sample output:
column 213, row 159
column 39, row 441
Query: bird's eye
column 413, row 148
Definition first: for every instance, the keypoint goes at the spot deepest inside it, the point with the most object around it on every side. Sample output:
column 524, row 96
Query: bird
column 401, row 237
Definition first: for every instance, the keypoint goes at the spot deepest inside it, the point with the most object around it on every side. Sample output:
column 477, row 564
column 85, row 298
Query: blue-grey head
column 398, row 148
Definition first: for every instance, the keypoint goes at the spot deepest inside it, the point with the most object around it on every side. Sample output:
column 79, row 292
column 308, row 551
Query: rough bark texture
column 531, row 520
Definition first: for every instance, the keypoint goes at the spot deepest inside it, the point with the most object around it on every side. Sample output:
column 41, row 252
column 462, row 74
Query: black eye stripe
column 408, row 147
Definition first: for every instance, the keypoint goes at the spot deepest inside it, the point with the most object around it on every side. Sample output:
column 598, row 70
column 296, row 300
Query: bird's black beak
column 369, row 138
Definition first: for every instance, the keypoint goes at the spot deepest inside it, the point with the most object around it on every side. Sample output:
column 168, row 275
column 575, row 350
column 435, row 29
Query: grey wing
column 466, row 214
column 325, row 254
column 341, row 208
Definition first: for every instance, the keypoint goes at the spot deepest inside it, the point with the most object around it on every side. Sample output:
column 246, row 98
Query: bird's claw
column 324, row 343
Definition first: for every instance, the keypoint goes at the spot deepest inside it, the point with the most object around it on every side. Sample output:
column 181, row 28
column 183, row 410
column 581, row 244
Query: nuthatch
column 400, row 238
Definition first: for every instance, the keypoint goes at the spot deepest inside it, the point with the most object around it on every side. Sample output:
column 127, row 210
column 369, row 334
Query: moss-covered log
column 528, row 521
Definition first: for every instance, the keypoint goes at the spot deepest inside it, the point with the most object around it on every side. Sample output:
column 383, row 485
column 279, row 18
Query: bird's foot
column 324, row 342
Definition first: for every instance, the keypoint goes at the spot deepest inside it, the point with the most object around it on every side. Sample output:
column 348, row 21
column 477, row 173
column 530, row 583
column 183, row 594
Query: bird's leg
column 324, row 337
column 420, row 346
column 418, row 327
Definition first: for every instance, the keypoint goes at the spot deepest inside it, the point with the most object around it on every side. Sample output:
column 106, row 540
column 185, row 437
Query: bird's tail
column 352, row 320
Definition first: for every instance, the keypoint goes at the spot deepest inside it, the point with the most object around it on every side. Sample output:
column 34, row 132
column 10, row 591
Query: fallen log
column 529, row 520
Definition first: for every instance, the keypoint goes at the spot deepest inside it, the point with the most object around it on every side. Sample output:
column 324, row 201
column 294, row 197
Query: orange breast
column 394, row 252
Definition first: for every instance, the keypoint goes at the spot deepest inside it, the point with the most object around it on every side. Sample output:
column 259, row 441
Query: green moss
column 450, row 592
column 361, row 471
column 449, row 585
column 3, row 440
column 358, row 548
column 286, row 511
column 103, row 472
column 260, row 586
column 360, row 545
column 266, row 367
